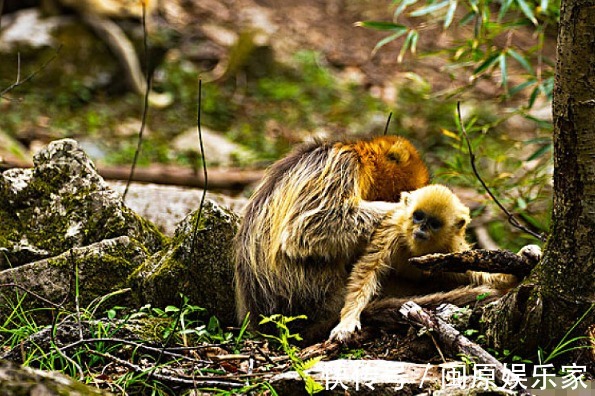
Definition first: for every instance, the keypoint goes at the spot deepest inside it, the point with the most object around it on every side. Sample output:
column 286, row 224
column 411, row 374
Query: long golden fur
column 310, row 220
column 429, row 220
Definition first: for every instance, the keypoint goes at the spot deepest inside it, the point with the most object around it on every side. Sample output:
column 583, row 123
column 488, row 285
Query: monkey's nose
column 421, row 235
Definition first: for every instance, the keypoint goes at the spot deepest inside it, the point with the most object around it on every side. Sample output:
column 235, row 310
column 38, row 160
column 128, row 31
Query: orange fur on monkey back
column 310, row 219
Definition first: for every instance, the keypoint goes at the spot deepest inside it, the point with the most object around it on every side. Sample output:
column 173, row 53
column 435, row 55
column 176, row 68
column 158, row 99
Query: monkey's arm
column 365, row 278
column 329, row 219
column 332, row 232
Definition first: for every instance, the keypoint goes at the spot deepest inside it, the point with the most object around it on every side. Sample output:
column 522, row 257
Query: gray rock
column 63, row 203
column 101, row 268
column 197, row 264
column 221, row 151
column 15, row 380
column 166, row 206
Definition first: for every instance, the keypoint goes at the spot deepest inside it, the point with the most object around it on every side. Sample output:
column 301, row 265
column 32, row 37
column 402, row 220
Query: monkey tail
column 384, row 313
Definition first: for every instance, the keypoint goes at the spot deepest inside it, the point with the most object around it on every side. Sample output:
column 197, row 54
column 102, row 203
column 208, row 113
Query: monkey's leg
column 385, row 314
column 502, row 281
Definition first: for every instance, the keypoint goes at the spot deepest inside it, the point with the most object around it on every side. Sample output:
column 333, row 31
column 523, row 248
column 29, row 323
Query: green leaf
column 473, row 4
column 467, row 18
column 308, row 364
column 521, row 203
column 522, row 60
column 381, row 25
column 527, row 10
column 542, row 124
column 450, row 13
column 387, row 40
column 404, row 4
column 540, row 152
column 486, row 64
column 410, row 43
column 429, row 9
column 503, row 70
column 414, row 38
column 504, row 8
column 312, row 386
column 534, row 96
column 522, row 86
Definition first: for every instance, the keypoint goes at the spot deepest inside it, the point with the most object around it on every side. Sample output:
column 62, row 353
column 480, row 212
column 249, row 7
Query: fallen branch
column 219, row 179
column 459, row 344
column 227, row 179
column 494, row 261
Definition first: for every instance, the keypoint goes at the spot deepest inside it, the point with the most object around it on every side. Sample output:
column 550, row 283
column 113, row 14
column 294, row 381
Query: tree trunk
column 562, row 286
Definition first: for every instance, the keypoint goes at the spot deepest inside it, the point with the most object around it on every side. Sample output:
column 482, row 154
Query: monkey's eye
column 418, row 216
column 434, row 224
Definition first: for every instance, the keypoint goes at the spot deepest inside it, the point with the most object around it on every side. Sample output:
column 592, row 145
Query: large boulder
column 198, row 263
column 61, row 223
column 17, row 381
column 63, row 203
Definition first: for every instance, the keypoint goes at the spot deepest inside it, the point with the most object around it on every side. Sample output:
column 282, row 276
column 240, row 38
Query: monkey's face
column 435, row 221
column 391, row 165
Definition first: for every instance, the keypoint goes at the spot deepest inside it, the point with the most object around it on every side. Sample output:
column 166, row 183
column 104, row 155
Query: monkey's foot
column 531, row 252
column 344, row 330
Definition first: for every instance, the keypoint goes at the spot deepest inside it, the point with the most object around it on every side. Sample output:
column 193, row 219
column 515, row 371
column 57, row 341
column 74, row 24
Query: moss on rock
column 17, row 381
column 63, row 203
column 204, row 273
column 101, row 268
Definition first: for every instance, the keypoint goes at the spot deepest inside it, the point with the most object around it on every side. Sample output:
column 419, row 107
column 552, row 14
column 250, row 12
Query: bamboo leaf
column 387, row 40
column 522, row 86
column 503, row 70
column 504, row 8
column 467, row 18
column 404, row 4
column 527, row 10
column 381, row 25
column 540, row 152
column 414, row 38
column 450, row 13
column 522, row 61
column 408, row 44
column 429, row 9
column 533, row 96
column 473, row 5
column 486, row 64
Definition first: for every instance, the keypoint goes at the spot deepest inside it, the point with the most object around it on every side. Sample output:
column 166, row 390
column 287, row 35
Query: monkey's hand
column 345, row 329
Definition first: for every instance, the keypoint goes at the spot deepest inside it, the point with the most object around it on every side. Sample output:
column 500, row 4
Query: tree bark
column 561, row 288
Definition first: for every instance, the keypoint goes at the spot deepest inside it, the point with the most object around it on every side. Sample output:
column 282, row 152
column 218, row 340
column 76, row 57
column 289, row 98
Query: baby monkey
column 428, row 220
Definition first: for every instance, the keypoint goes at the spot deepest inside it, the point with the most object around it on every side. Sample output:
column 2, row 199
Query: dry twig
column 511, row 218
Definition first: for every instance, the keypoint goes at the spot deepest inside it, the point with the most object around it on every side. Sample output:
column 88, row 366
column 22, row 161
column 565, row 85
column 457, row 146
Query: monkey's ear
column 462, row 222
column 398, row 154
column 406, row 198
